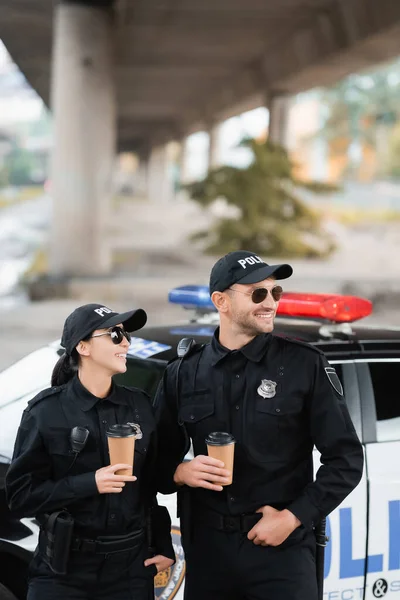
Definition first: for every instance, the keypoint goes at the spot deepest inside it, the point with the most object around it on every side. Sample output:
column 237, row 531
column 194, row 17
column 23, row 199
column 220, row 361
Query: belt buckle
column 230, row 523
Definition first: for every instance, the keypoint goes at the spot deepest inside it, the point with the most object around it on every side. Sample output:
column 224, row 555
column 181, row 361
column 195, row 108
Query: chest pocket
column 277, row 424
column 63, row 458
column 197, row 414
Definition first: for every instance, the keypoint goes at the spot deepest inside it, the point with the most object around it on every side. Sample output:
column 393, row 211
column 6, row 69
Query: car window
column 143, row 374
column 385, row 382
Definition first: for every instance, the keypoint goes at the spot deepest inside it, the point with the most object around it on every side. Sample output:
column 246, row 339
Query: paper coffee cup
column 121, row 446
column 221, row 445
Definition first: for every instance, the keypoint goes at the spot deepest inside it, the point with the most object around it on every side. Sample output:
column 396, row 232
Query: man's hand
column 274, row 526
column 204, row 472
column 108, row 482
column 162, row 562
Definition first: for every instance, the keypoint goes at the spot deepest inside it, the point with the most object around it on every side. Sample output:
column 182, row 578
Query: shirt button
column 237, row 376
column 237, row 406
column 192, row 417
column 104, row 422
column 232, row 499
column 144, row 449
column 277, row 410
column 113, row 516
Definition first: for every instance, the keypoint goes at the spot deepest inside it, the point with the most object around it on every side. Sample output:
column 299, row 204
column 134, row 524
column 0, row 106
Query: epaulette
column 44, row 394
column 300, row 343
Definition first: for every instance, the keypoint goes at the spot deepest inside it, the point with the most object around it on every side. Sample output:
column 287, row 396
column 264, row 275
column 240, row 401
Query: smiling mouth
column 121, row 356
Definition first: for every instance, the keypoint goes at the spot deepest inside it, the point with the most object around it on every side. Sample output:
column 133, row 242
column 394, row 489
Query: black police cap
column 89, row 317
column 244, row 267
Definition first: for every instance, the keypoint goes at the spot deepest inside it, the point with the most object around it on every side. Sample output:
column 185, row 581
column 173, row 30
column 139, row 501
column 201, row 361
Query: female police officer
column 94, row 535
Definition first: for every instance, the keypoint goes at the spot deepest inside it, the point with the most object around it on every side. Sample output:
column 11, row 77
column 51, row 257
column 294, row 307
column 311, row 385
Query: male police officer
column 254, row 539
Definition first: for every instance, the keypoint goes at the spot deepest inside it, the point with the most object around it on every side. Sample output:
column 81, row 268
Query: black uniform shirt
column 274, row 395
column 43, row 476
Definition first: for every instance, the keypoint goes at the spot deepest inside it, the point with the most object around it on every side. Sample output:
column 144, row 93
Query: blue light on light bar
column 192, row 296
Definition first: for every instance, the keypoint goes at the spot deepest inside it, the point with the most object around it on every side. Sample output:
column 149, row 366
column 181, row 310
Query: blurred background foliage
column 271, row 217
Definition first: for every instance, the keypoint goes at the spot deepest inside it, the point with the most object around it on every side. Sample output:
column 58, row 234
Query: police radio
column 78, row 439
column 184, row 347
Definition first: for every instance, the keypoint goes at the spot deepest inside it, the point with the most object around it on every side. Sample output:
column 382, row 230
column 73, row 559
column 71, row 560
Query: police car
column 362, row 558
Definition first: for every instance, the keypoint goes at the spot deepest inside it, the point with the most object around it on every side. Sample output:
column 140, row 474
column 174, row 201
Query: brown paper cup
column 122, row 450
column 221, row 445
column 121, row 447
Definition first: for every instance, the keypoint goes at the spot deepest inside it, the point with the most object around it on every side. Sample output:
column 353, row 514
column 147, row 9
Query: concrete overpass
column 131, row 75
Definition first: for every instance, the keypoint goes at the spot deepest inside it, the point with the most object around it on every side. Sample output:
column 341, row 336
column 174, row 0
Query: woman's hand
column 162, row 562
column 108, row 482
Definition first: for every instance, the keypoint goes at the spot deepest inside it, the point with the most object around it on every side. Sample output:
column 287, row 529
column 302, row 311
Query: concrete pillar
column 213, row 147
column 141, row 177
column 160, row 188
column 278, row 107
column 84, row 110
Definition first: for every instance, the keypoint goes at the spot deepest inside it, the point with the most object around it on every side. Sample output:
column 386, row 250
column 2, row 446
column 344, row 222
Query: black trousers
column 119, row 576
column 227, row 566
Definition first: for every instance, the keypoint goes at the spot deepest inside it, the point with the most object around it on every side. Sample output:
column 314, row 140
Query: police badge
column 267, row 388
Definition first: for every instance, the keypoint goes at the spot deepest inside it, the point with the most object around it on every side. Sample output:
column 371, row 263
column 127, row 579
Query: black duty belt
column 109, row 544
column 228, row 523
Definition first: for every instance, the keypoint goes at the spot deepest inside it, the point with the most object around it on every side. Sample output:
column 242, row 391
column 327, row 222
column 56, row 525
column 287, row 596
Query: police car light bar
column 330, row 307
column 327, row 307
column 192, row 296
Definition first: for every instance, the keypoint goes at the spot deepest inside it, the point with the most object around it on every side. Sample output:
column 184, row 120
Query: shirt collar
column 254, row 350
column 87, row 400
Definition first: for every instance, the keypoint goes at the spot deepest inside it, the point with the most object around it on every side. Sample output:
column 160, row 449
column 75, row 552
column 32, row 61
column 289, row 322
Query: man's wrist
column 289, row 515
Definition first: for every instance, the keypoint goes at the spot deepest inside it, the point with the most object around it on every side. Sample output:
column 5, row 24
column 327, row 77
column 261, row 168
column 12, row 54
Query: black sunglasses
column 259, row 294
column 117, row 335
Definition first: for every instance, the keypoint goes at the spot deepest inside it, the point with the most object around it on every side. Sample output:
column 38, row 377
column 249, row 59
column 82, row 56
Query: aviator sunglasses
column 259, row 294
column 117, row 335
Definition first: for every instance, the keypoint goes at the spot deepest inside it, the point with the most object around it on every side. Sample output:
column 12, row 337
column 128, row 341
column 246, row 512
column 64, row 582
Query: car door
column 380, row 396
column 347, row 524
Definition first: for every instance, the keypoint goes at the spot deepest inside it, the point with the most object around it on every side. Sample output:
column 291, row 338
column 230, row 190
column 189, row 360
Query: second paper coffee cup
column 121, row 446
column 221, row 445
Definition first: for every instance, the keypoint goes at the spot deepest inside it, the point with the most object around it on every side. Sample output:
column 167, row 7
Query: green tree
column 3, row 177
column 362, row 109
column 19, row 164
column 393, row 162
column 273, row 220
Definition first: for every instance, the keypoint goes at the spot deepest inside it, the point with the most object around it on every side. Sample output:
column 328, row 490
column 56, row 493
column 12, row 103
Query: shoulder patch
column 44, row 394
column 334, row 380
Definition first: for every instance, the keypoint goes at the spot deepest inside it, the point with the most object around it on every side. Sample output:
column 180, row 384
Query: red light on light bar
column 331, row 307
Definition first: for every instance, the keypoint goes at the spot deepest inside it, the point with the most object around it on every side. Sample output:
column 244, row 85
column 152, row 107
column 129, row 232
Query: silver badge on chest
column 267, row 388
